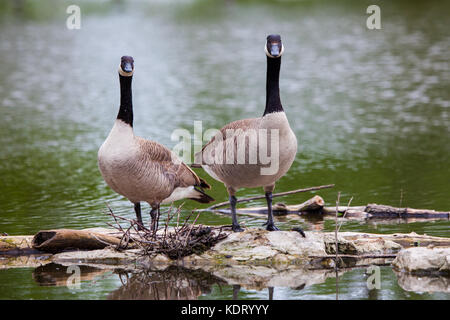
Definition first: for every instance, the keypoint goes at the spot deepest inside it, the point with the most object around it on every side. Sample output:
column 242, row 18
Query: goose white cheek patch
column 271, row 56
column 125, row 74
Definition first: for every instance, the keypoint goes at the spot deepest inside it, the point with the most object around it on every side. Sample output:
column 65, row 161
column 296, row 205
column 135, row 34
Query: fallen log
column 384, row 211
column 370, row 211
column 313, row 204
column 376, row 210
column 54, row 241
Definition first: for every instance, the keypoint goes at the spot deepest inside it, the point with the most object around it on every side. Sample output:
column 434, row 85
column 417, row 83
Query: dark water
column 370, row 108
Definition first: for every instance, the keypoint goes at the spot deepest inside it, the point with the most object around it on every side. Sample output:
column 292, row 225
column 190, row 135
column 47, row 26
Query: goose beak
column 274, row 50
column 127, row 67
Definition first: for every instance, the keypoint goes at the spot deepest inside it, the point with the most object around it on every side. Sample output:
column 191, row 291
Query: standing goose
column 140, row 169
column 236, row 174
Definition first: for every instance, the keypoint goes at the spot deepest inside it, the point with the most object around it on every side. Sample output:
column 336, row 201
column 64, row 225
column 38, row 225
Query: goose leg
column 153, row 215
column 235, row 225
column 157, row 217
column 137, row 209
column 270, row 225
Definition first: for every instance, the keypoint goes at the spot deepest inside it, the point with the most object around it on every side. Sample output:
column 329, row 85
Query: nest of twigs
column 175, row 242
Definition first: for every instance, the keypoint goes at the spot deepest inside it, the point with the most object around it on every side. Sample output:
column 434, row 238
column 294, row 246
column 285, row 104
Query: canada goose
column 140, row 169
column 236, row 174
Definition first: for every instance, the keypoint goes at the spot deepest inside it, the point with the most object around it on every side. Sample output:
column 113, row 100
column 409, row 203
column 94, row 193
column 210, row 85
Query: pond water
column 49, row 282
column 370, row 108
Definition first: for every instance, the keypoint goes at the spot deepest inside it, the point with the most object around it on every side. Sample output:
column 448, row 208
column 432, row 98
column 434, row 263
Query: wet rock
column 361, row 245
column 15, row 244
column 424, row 261
column 107, row 256
column 292, row 243
column 28, row 261
column 261, row 246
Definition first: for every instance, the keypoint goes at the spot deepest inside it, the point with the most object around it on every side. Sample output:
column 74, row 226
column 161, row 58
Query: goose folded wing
column 168, row 164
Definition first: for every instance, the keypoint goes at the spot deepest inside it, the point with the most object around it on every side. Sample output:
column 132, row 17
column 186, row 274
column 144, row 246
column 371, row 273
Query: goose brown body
column 247, row 175
column 144, row 170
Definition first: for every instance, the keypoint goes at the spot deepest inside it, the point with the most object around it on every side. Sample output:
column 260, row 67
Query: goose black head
column 126, row 67
column 274, row 48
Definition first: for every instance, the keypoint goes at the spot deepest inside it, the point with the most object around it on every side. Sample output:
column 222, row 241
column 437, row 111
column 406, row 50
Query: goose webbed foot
column 235, row 225
column 271, row 226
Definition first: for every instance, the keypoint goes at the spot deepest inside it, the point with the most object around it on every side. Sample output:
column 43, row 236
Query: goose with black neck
column 140, row 169
column 271, row 132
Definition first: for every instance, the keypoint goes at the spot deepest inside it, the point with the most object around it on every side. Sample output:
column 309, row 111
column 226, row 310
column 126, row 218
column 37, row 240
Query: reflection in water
column 236, row 289
column 178, row 283
column 174, row 283
column 238, row 282
column 423, row 283
column 56, row 275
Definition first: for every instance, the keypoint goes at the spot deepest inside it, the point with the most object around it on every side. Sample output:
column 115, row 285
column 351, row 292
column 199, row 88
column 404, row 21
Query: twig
column 178, row 213
column 345, row 212
column 190, row 230
column 336, row 245
column 122, row 218
column 280, row 194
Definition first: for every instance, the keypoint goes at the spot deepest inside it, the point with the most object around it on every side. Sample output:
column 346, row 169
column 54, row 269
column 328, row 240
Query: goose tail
column 204, row 184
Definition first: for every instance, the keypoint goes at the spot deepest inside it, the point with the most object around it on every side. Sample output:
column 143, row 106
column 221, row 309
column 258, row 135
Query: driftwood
column 54, row 241
column 313, row 204
column 383, row 211
column 370, row 211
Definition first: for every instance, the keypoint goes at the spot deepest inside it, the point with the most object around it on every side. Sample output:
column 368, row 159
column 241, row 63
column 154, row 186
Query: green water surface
column 370, row 109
